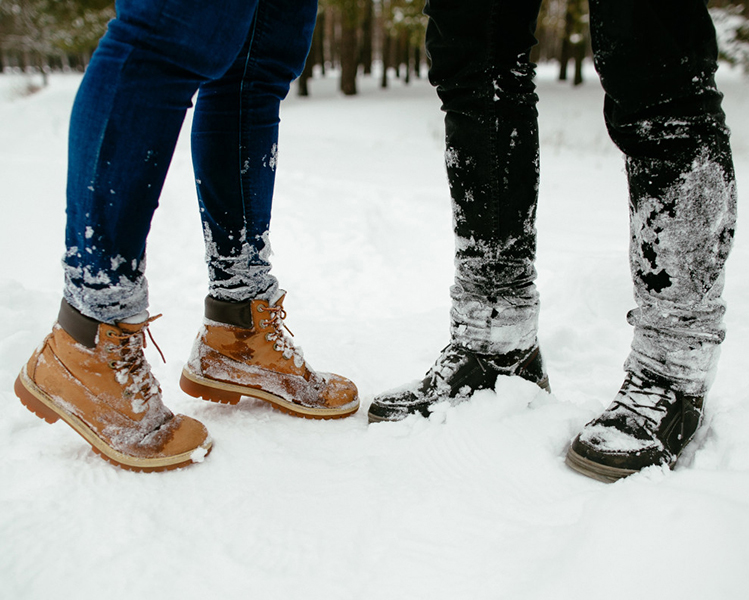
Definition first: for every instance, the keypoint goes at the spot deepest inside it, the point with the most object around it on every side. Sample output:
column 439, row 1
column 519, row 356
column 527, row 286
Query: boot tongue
column 134, row 323
column 277, row 299
column 141, row 317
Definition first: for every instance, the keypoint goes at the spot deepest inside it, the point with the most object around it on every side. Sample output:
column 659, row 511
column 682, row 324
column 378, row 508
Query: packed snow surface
column 476, row 501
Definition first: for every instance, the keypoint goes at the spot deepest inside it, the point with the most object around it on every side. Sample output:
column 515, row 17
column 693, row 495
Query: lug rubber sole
column 375, row 419
column 39, row 403
column 595, row 470
column 229, row 393
column 395, row 416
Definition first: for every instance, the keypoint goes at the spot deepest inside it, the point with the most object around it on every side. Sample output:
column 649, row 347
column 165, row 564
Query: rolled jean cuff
column 681, row 360
column 494, row 327
column 107, row 303
column 678, row 373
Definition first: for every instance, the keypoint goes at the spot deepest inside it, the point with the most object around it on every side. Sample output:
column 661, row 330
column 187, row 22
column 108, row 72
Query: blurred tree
column 732, row 27
column 408, row 25
column 51, row 33
column 563, row 35
column 366, row 50
column 574, row 40
column 351, row 36
column 739, row 6
column 349, row 46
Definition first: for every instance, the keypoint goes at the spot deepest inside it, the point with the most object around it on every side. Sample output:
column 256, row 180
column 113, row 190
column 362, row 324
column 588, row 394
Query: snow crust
column 240, row 286
column 113, row 302
column 476, row 501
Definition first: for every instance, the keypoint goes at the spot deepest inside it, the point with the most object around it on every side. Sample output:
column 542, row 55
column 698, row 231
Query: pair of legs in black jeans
column 657, row 60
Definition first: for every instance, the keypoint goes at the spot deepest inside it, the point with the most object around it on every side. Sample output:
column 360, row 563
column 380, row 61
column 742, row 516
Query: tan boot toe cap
column 181, row 436
column 339, row 391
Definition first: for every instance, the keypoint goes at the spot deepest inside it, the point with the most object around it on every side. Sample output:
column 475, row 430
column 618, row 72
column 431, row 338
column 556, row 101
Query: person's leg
column 483, row 75
column 235, row 148
column 482, row 71
column 91, row 370
column 243, row 349
column 124, row 126
column 657, row 61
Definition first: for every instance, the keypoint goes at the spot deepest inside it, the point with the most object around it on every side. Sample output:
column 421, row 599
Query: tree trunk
column 395, row 52
column 573, row 42
column 406, row 54
column 385, row 58
column 303, row 89
column 366, row 42
column 333, row 28
column 315, row 56
column 579, row 57
column 318, row 42
column 566, row 51
column 349, row 54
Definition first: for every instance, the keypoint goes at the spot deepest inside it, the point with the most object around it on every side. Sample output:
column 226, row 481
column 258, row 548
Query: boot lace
column 131, row 368
column 281, row 343
column 447, row 364
column 646, row 403
column 445, row 373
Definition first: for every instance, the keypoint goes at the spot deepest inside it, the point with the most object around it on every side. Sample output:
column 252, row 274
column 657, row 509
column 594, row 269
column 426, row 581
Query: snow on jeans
column 241, row 55
column 656, row 60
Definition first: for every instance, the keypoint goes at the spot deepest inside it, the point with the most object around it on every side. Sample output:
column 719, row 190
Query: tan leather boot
column 242, row 350
column 96, row 378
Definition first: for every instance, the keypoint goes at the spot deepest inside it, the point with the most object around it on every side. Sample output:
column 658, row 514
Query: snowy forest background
column 474, row 502
column 351, row 36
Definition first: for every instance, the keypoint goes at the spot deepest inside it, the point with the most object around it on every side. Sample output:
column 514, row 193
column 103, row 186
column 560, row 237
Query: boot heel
column 197, row 390
column 31, row 402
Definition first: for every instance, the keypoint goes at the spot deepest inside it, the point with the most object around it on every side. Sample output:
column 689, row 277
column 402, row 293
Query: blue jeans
column 241, row 56
column 657, row 60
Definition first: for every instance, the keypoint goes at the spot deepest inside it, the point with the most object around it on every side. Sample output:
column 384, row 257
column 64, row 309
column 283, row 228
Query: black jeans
column 656, row 59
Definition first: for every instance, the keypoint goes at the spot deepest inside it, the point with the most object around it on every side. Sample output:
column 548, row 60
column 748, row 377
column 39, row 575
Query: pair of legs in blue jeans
column 240, row 56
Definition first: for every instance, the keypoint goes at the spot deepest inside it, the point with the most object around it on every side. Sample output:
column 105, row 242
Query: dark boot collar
column 81, row 328
column 238, row 314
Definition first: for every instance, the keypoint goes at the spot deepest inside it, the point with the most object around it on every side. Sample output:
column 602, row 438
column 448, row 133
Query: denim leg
column 657, row 60
column 483, row 75
column 235, row 148
column 124, row 126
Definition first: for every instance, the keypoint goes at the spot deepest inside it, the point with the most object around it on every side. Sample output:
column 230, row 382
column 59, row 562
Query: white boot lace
column 281, row 343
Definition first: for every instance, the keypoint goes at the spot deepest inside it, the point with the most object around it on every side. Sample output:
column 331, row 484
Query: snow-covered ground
column 476, row 501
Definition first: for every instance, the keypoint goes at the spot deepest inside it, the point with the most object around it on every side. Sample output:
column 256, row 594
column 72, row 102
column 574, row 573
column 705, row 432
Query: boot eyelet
column 277, row 347
column 112, row 364
column 127, row 394
column 263, row 324
column 269, row 337
column 260, row 309
column 109, row 333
